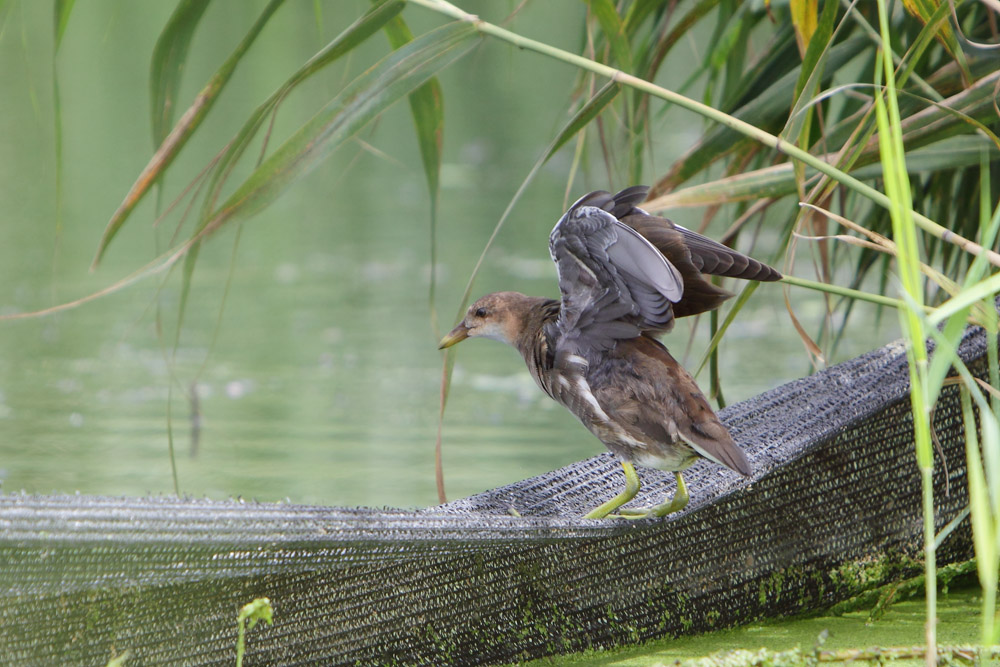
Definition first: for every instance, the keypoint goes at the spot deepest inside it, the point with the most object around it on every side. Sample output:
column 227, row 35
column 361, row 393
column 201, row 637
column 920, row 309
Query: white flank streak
column 591, row 401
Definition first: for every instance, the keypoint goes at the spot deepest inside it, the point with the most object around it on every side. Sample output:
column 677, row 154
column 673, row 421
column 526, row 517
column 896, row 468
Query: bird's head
column 500, row 316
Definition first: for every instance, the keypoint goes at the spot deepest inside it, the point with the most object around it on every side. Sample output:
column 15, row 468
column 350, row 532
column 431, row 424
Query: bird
column 624, row 277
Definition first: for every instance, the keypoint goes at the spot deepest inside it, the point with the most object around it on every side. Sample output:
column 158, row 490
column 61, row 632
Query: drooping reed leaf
column 344, row 43
column 167, row 65
column 371, row 22
column 577, row 123
column 364, row 99
column 182, row 131
column 427, row 110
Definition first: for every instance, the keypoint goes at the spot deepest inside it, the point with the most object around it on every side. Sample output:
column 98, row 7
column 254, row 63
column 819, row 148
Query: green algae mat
column 901, row 625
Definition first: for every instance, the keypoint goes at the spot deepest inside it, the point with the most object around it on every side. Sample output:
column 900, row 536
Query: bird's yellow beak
column 456, row 335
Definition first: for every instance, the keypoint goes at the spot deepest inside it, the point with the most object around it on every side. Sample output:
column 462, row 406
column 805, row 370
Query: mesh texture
column 833, row 508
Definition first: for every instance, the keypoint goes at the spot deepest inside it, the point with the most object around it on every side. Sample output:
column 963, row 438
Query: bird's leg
column 631, row 488
column 675, row 504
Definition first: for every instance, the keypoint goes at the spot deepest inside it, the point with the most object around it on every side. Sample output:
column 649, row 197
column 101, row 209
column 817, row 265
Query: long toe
column 675, row 505
column 628, row 513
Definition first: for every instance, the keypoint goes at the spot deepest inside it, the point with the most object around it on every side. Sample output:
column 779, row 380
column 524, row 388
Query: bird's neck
column 533, row 340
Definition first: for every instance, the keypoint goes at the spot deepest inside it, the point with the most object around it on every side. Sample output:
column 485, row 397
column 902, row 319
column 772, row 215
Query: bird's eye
column 480, row 312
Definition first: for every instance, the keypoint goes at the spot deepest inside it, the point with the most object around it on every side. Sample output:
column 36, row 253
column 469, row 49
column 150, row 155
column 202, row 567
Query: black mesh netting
column 833, row 508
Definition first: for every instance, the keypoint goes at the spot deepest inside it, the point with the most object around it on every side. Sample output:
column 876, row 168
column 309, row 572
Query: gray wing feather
column 637, row 258
column 614, row 283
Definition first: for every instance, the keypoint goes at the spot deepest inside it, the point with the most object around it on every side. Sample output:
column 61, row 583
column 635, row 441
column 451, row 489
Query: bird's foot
column 675, row 504
column 631, row 488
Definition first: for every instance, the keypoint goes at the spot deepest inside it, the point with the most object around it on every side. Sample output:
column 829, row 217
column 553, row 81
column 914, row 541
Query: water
column 322, row 385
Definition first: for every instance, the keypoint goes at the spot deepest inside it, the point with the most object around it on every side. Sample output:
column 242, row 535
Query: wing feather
column 623, row 271
column 614, row 283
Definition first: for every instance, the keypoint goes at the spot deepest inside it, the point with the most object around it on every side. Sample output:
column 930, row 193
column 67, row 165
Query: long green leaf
column 614, row 30
column 944, row 354
column 167, row 64
column 984, row 513
column 814, row 61
column 63, row 8
column 363, row 100
column 185, row 127
column 427, row 110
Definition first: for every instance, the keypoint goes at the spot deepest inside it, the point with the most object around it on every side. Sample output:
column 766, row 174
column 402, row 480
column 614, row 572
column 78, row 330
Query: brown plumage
column 624, row 276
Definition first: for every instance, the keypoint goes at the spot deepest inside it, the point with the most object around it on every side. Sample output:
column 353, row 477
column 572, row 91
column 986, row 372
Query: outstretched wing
column 614, row 282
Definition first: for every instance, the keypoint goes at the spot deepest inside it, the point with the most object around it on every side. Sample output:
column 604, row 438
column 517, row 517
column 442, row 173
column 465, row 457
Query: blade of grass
column 981, row 290
column 63, row 8
column 897, row 186
column 182, row 131
column 614, row 30
column 985, row 514
column 730, row 316
column 925, row 10
column 815, row 37
column 805, row 15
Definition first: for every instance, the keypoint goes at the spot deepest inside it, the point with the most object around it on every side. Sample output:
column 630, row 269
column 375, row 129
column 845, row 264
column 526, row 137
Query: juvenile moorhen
column 624, row 275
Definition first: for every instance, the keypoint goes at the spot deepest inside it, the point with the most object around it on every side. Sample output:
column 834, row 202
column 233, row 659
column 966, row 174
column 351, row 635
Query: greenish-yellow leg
column 631, row 488
column 675, row 504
